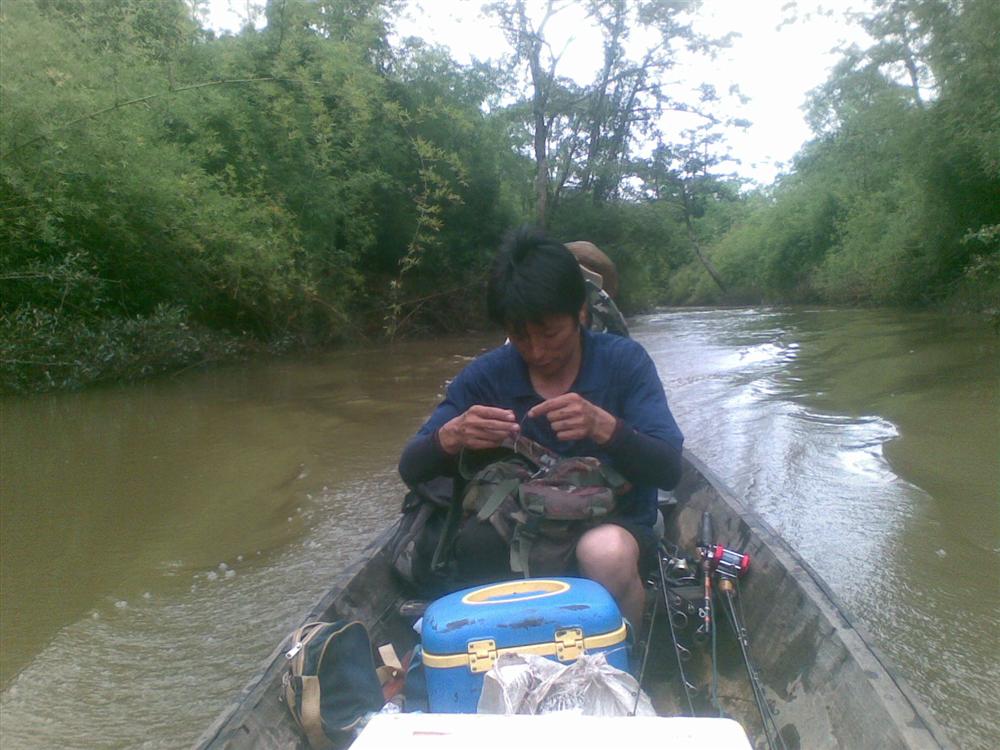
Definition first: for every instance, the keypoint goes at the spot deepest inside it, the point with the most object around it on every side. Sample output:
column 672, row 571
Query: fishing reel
column 689, row 586
column 726, row 562
column 715, row 558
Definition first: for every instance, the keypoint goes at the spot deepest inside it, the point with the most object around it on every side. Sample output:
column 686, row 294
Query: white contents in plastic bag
column 530, row 684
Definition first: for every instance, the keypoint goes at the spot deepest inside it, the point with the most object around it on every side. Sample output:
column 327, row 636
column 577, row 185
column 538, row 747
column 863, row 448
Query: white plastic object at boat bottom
column 417, row 731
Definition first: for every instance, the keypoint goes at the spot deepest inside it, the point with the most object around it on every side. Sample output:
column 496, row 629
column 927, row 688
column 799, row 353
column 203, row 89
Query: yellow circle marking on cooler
column 515, row 591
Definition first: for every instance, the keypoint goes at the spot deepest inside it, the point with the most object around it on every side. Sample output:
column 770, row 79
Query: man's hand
column 574, row 418
column 477, row 428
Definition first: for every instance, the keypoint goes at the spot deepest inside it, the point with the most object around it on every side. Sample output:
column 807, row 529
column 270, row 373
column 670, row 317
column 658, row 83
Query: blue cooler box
column 561, row 618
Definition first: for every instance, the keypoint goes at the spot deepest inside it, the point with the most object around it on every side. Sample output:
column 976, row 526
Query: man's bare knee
column 609, row 551
column 610, row 555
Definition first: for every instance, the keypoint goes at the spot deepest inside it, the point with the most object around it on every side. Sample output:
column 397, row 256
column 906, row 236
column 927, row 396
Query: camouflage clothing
column 605, row 316
column 541, row 510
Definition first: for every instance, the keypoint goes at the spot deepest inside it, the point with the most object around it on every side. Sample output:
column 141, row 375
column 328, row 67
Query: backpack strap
column 520, row 546
column 442, row 552
column 520, row 552
column 311, row 719
column 304, row 690
column 618, row 484
column 538, row 454
column 500, row 492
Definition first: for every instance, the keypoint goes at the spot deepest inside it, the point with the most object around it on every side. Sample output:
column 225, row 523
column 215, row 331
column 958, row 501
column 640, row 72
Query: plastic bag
column 530, row 684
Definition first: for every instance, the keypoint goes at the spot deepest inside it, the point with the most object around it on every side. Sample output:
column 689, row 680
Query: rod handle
column 707, row 536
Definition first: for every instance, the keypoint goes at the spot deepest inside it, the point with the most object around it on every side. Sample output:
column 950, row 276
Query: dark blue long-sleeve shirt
column 616, row 374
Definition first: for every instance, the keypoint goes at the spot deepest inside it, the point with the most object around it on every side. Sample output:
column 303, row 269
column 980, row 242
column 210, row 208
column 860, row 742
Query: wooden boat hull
column 829, row 686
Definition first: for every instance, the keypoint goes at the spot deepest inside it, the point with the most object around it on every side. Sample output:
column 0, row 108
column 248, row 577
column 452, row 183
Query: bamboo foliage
column 170, row 197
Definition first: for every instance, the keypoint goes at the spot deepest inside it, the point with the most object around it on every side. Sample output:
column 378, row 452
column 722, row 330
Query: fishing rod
column 675, row 618
column 645, row 657
column 705, row 546
column 729, row 566
column 728, row 587
column 720, row 569
column 709, row 561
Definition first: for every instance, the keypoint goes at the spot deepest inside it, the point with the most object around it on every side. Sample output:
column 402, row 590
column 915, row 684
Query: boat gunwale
column 899, row 701
column 824, row 595
column 264, row 679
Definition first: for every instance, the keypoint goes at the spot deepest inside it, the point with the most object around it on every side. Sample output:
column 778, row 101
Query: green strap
column 615, row 480
column 487, row 458
column 520, row 552
column 500, row 492
column 525, row 534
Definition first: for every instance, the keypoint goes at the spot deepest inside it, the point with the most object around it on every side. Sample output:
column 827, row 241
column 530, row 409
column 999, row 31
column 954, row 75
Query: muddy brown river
column 157, row 540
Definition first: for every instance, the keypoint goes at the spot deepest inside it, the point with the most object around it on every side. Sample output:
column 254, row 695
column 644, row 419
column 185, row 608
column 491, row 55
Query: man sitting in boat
column 574, row 391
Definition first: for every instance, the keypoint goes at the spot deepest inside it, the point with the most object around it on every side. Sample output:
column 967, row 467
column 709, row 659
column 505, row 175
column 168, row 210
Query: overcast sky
column 774, row 64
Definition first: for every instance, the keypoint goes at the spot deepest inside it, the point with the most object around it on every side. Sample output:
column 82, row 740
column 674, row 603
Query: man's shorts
column 482, row 556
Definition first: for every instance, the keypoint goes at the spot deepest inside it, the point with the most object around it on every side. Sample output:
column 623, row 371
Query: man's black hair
column 533, row 278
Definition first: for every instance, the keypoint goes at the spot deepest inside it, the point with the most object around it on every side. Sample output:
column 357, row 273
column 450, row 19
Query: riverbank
column 43, row 352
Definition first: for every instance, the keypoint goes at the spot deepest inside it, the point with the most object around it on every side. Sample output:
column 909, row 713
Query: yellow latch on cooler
column 569, row 644
column 482, row 654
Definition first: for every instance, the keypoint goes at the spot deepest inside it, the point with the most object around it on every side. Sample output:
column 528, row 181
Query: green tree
column 898, row 197
column 583, row 135
column 269, row 186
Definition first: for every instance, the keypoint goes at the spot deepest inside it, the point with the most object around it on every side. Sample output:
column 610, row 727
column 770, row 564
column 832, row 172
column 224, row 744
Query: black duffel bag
column 421, row 550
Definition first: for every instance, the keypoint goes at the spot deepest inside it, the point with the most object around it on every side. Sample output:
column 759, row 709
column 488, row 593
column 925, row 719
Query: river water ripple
column 159, row 539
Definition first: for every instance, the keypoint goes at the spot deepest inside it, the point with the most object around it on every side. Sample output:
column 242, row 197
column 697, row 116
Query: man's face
column 547, row 347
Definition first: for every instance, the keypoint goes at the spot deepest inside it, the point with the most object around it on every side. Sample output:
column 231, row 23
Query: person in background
column 601, row 279
column 577, row 392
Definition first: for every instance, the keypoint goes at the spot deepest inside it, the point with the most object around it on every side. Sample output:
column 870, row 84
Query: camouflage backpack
column 541, row 504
